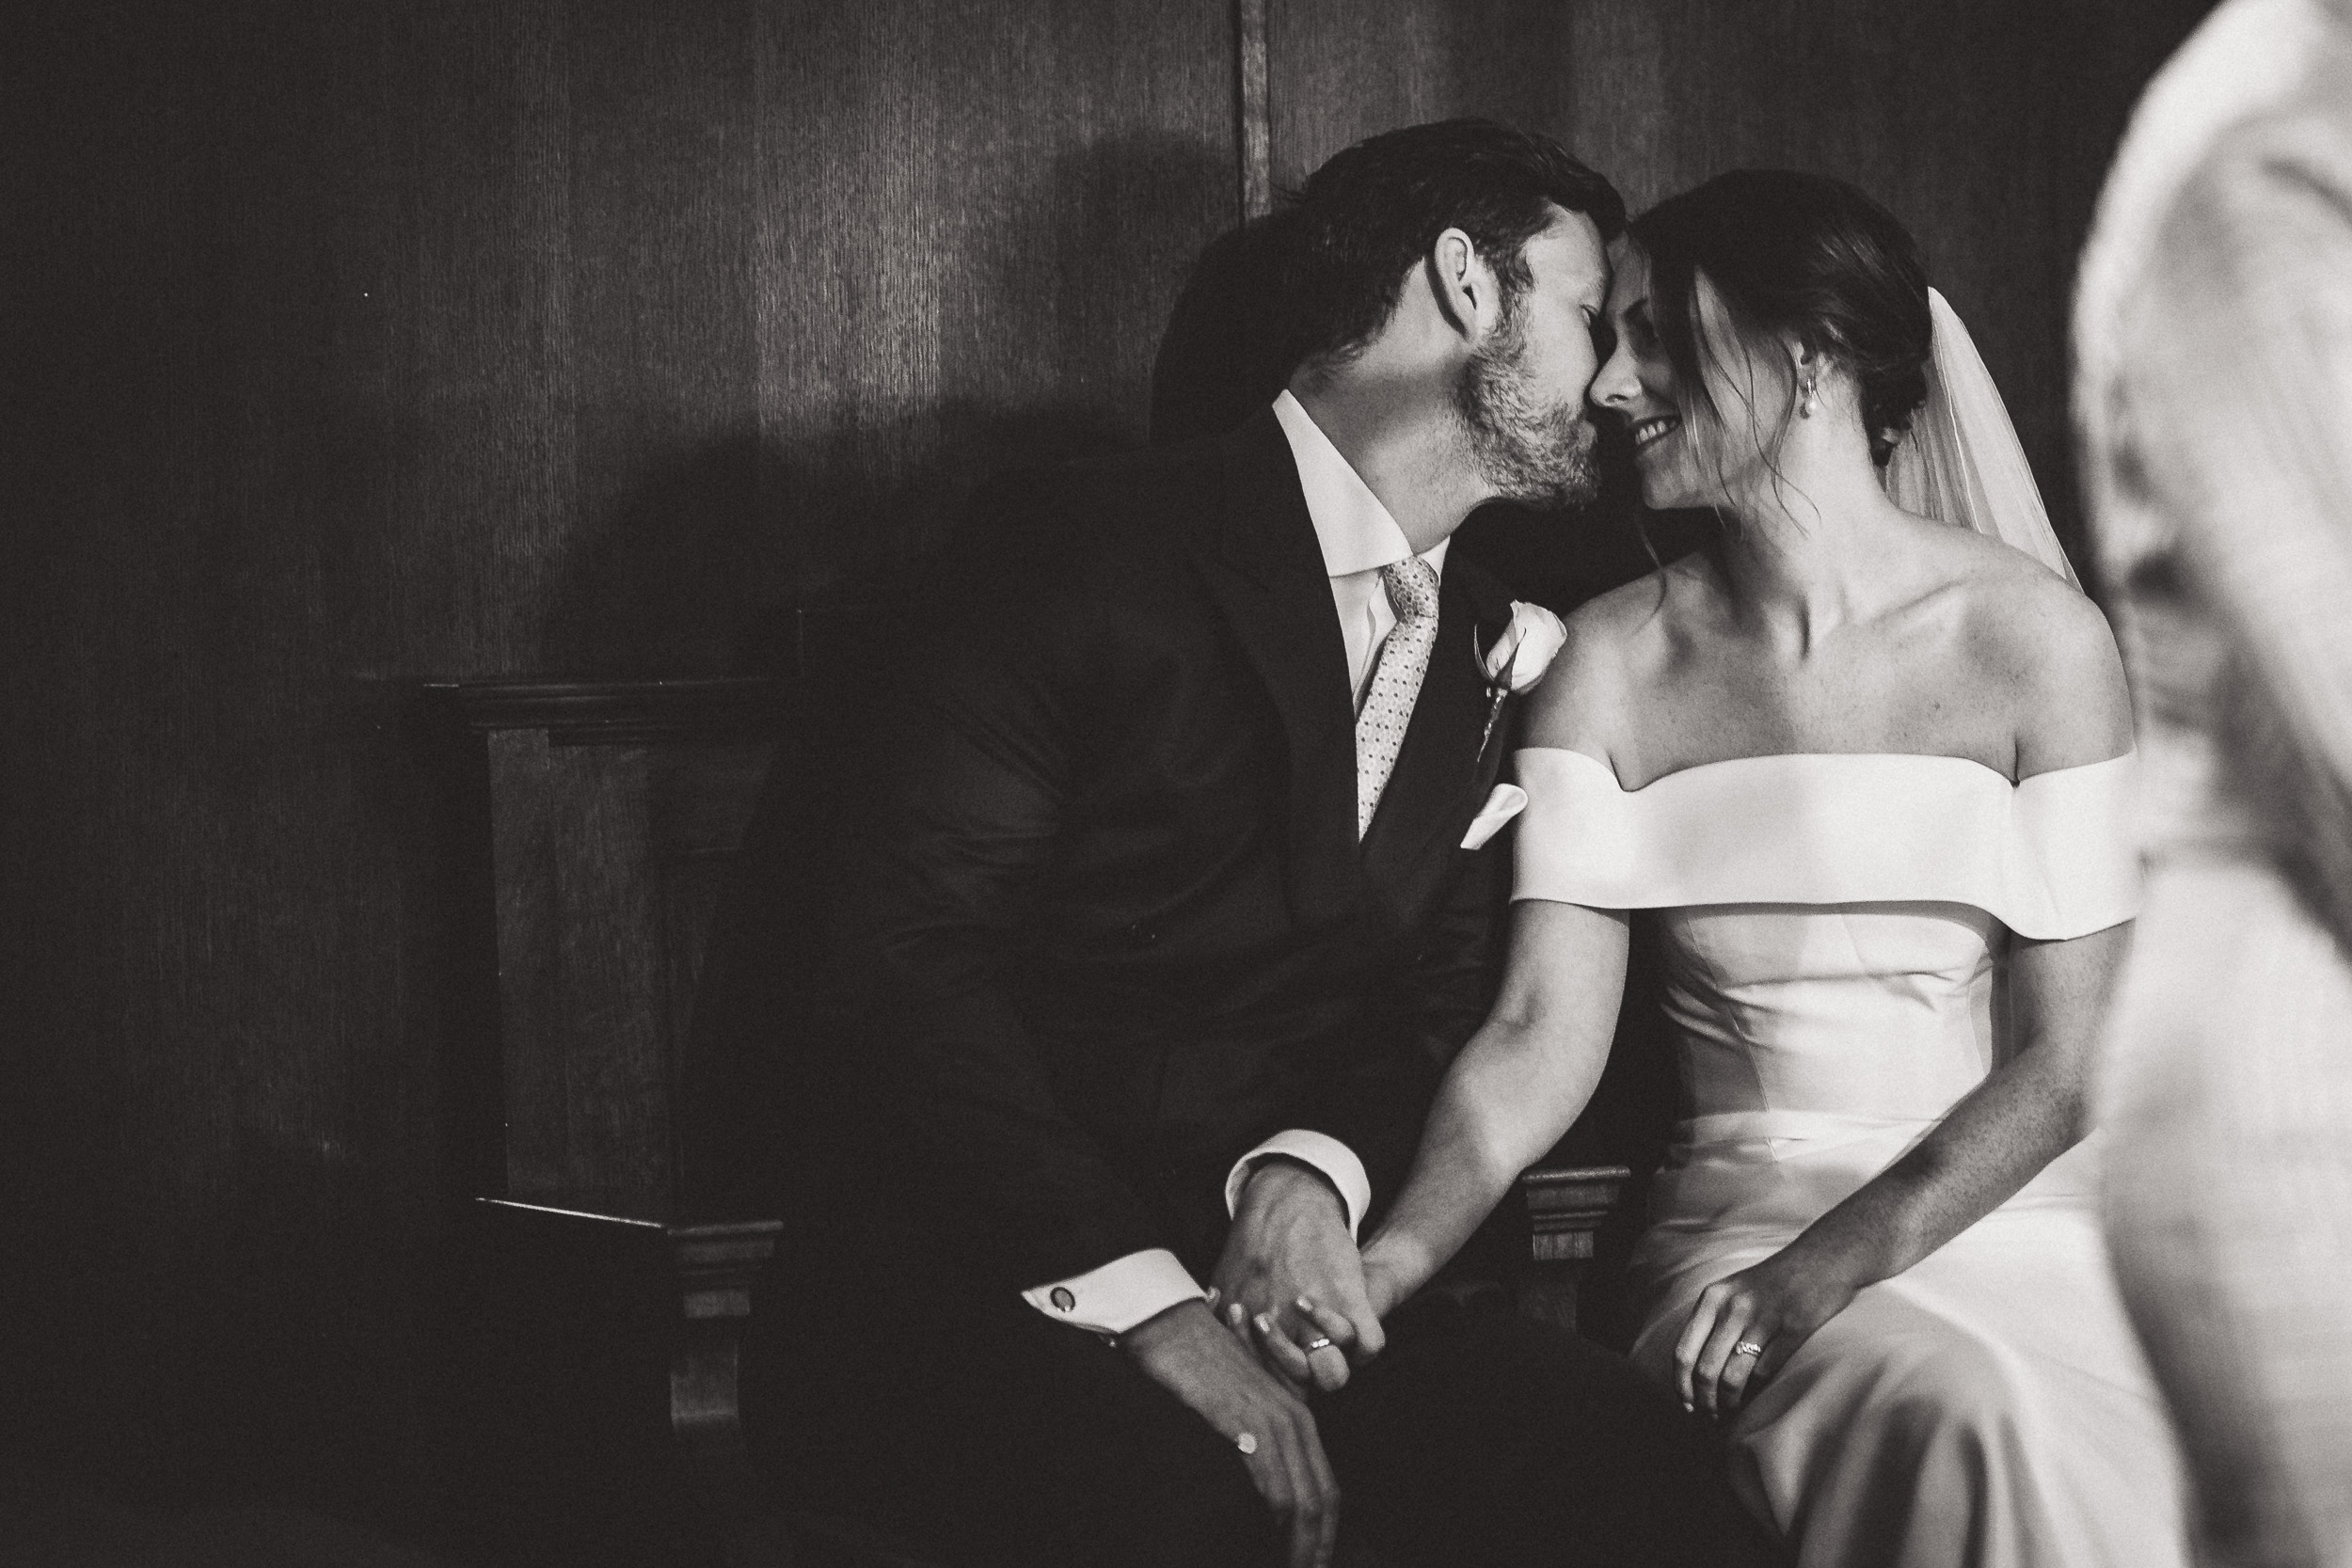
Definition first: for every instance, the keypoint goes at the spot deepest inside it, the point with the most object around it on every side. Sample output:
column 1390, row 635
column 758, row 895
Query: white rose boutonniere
column 1518, row 658
column 1526, row 648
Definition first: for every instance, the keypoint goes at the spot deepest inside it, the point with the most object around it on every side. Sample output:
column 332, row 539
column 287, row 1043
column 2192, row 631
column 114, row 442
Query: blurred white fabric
column 2214, row 396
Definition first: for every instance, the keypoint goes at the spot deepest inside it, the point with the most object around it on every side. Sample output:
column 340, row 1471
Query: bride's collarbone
column 1935, row 674
column 1747, row 709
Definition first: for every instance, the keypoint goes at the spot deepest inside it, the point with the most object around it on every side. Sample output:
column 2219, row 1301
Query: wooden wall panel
column 1012, row 194
column 1341, row 69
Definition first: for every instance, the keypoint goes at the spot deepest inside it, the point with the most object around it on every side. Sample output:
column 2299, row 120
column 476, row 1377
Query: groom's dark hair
column 1366, row 217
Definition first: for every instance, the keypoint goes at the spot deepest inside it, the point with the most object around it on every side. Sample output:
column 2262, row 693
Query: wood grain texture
column 1254, row 133
column 608, row 862
column 354, row 346
column 973, row 219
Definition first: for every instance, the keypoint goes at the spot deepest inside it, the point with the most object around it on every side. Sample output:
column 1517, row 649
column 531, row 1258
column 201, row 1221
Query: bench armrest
column 1566, row 1207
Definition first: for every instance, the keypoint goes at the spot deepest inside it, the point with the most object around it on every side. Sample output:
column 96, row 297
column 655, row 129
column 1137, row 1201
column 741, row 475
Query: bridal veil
column 1961, row 462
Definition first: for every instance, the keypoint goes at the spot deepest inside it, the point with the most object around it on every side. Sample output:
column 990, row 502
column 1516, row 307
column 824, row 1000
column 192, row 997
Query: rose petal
column 1536, row 636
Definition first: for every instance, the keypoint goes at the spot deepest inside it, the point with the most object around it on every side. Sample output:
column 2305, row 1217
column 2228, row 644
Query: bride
column 1867, row 773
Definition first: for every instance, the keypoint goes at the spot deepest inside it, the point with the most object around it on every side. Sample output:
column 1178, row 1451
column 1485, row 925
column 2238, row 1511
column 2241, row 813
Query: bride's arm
column 1528, row 1072
column 1511, row 1093
column 2025, row 1113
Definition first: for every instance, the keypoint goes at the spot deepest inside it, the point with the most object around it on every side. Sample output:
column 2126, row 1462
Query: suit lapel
column 1433, row 792
column 1264, row 568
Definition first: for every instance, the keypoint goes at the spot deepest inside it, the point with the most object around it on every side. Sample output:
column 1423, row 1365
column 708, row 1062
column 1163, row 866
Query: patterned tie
column 1413, row 586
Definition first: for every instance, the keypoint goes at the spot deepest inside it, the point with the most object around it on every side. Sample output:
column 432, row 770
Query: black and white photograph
column 1177, row 783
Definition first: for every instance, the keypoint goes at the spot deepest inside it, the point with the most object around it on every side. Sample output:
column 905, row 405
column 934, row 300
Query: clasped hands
column 1289, row 1276
column 1291, row 1283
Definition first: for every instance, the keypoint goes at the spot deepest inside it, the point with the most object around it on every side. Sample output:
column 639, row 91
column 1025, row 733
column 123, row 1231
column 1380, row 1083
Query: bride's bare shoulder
column 1612, row 640
column 1987, row 588
column 2009, row 604
column 2045, row 647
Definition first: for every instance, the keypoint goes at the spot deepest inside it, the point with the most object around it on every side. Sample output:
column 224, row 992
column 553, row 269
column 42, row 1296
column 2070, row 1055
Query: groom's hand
column 1289, row 1246
column 1184, row 1352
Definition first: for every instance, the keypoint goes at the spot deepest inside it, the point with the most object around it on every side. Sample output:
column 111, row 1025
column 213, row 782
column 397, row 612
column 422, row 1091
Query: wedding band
column 1321, row 1341
column 1747, row 1347
column 1246, row 1442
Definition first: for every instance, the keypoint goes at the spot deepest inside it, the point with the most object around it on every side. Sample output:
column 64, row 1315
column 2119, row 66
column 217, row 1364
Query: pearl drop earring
column 1805, row 408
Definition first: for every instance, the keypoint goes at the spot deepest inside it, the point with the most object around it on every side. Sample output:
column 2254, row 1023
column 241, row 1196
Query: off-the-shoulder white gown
column 1830, row 928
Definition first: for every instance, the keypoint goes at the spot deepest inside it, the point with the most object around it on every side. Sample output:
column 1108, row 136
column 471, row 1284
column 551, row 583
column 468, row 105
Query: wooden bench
column 603, row 1287
column 589, row 830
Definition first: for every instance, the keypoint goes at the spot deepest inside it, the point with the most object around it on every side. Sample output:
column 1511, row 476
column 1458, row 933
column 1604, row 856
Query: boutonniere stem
column 1517, row 660
column 1498, row 688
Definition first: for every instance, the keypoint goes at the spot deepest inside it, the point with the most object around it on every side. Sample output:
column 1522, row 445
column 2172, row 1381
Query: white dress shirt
column 1358, row 537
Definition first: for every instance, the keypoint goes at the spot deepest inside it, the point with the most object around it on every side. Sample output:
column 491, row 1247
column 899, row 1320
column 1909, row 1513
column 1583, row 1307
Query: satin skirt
column 1988, row 1407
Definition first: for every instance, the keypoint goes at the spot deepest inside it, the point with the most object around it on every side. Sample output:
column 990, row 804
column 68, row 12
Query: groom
column 1169, row 891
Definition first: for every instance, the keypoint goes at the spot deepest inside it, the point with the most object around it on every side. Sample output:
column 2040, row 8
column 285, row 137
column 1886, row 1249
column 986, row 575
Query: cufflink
column 1063, row 1301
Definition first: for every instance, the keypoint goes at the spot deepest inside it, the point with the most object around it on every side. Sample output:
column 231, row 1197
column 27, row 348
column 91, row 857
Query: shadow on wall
column 700, row 568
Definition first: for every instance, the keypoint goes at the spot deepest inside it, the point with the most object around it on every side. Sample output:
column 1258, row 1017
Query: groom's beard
column 1533, row 451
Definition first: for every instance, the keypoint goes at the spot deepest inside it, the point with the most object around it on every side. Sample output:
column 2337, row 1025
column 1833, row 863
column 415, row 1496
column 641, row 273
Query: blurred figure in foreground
column 2213, row 330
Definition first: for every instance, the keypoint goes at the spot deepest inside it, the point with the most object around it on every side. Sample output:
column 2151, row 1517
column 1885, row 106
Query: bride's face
column 1690, row 450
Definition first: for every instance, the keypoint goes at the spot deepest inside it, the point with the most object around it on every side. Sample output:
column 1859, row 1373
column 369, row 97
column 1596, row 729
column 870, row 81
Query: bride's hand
column 1747, row 1325
column 1394, row 1268
column 1384, row 1283
column 1387, row 1279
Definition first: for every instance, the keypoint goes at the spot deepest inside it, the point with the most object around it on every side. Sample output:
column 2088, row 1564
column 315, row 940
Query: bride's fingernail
column 1306, row 1305
column 1265, row 1322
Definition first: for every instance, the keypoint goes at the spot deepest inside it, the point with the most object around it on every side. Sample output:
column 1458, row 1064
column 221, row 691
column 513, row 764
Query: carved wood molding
column 1565, row 1206
column 1253, row 139
column 617, row 713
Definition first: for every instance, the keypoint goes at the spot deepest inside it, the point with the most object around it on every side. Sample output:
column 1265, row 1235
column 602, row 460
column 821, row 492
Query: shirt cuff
column 1325, row 1153
column 1119, row 1294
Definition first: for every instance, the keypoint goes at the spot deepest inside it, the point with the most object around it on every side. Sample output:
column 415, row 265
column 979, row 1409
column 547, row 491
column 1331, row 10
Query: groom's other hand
column 1184, row 1352
column 1290, row 1242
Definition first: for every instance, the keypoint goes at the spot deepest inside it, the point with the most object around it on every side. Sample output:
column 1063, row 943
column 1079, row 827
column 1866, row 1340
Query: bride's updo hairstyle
column 1799, row 255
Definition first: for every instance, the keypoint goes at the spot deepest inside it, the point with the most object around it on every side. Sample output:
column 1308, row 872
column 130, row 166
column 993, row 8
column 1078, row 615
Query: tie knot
column 1412, row 585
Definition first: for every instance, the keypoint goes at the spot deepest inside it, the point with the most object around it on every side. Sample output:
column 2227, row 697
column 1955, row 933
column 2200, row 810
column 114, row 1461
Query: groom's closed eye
column 1602, row 332
column 1604, row 340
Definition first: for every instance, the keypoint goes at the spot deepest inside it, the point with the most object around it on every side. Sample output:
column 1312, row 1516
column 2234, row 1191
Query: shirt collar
column 1355, row 530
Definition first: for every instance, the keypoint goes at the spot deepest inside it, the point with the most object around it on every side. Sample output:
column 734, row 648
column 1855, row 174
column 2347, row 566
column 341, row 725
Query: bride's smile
column 1653, row 429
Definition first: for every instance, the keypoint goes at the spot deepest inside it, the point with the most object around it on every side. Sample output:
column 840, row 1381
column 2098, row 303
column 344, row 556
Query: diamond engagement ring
column 1321, row 1341
column 1747, row 1347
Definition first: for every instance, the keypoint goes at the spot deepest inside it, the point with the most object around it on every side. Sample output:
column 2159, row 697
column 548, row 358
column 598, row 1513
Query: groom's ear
column 1462, row 283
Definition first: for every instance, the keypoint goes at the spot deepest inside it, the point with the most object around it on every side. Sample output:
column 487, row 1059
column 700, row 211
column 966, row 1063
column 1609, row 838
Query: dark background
column 348, row 346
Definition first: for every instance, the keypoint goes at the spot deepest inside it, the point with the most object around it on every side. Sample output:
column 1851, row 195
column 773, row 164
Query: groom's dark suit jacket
column 1103, row 905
